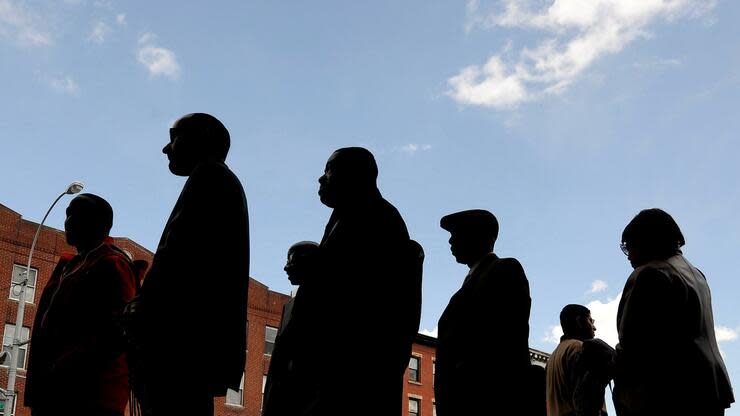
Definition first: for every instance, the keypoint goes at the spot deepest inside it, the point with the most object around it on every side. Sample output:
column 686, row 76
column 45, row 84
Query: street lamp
column 73, row 188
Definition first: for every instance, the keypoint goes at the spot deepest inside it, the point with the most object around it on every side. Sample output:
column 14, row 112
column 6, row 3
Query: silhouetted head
column 350, row 175
column 89, row 220
column 301, row 261
column 195, row 138
column 472, row 234
column 577, row 323
column 651, row 235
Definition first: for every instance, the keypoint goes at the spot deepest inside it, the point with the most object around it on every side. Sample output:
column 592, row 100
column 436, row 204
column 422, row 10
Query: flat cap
column 478, row 220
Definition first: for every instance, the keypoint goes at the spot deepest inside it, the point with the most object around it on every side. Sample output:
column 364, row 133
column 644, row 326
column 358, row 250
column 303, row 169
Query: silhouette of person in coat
column 668, row 361
column 190, row 319
column 482, row 363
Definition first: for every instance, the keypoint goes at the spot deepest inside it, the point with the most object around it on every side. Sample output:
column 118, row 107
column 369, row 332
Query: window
column 270, row 335
column 8, row 342
column 414, row 373
column 414, row 407
column 19, row 274
column 434, row 371
column 264, row 383
column 434, row 408
column 236, row 397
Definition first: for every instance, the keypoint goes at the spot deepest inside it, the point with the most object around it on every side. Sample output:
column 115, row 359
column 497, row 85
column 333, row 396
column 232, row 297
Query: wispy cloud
column 598, row 286
column 580, row 33
column 659, row 63
column 428, row 332
column 121, row 19
column 412, row 148
column 21, row 25
column 553, row 334
column 158, row 61
column 64, row 85
column 99, row 32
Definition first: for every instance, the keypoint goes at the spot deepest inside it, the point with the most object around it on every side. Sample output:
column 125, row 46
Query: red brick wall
column 424, row 389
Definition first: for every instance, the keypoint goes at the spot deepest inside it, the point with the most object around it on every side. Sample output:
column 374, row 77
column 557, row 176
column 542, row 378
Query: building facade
column 264, row 311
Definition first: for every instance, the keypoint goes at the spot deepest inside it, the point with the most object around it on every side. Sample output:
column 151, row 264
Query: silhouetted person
column 368, row 293
column 580, row 368
column 77, row 364
column 190, row 318
column 668, row 362
column 483, row 353
column 537, row 394
column 289, row 389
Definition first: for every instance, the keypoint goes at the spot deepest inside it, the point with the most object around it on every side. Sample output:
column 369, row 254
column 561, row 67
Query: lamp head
column 74, row 187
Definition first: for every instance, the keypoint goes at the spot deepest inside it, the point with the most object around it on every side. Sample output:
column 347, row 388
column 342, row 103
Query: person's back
column 668, row 360
column 579, row 368
column 690, row 366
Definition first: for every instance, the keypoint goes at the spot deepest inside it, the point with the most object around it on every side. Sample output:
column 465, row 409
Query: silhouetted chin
column 325, row 199
column 177, row 171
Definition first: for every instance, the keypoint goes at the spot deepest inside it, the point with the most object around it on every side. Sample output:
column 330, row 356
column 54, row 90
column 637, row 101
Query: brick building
column 264, row 310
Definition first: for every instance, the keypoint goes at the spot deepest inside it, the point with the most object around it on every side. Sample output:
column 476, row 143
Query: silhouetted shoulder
column 653, row 277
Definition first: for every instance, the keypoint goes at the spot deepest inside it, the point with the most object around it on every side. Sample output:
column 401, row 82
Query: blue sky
column 564, row 118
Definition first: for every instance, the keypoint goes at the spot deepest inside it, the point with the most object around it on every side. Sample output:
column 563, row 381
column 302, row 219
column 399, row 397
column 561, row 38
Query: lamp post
column 9, row 393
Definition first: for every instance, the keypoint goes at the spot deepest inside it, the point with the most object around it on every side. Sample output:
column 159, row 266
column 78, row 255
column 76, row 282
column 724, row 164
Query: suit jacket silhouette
column 668, row 361
column 194, row 298
column 365, row 309
column 289, row 390
column 482, row 358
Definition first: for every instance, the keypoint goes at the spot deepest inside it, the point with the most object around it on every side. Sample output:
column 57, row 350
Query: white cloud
column 99, row 32
column 431, row 333
column 412, row 148
column 121, row 19
column 64, row 85
column 147, row 38
column 580, row 33
column 598, row 286
column 553, row 335
column 605, row 315
column 158, row 60
column 658, row 63
column 725, row 334
column 21, row 26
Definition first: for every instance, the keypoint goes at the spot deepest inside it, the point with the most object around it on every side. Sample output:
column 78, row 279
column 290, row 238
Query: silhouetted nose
column 166, row 149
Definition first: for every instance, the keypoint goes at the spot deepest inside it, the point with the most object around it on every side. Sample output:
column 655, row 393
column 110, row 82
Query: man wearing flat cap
column 483, row 352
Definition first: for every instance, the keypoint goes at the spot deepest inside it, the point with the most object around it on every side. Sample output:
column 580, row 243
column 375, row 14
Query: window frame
column 23, row 347
column 13, row 284
column 415, row 371
column 264, row 351
column 240, row 393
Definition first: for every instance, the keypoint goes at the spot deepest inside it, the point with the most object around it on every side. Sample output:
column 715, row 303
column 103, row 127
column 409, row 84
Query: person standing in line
column 289, row 390
column 483, row 352
column 189, row 322
column 77, row 363
column 579, row 368
column 369, row 284
column 668, row 361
